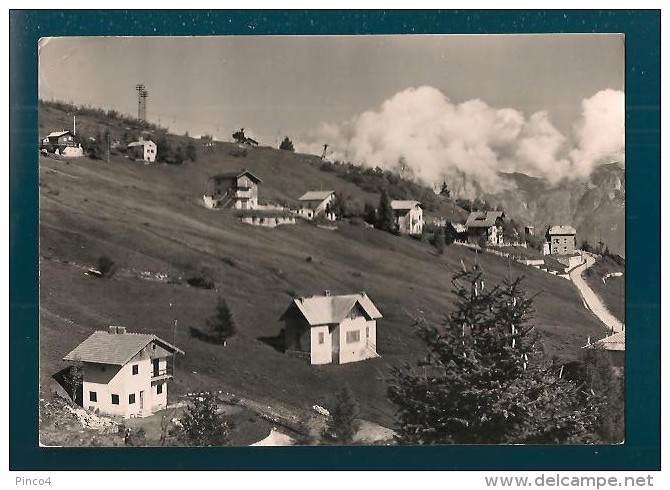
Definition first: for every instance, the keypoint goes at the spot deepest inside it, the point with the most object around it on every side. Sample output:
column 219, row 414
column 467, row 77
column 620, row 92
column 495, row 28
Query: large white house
column 238, row 190
column 143, row 150
column 124, row 374
column 408, row 217
column 315, row 203
column 332, row 329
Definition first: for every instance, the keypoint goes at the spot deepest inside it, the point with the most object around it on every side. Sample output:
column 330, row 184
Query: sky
column 440, row 104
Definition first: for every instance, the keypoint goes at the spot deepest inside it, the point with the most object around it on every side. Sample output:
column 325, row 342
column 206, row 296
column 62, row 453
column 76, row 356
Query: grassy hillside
column 149, row 218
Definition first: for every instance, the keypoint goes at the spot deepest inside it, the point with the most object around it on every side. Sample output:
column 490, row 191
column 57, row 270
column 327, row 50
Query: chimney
column 112, row 329
column 120, row 330
column 116, row 330
column 326, row 292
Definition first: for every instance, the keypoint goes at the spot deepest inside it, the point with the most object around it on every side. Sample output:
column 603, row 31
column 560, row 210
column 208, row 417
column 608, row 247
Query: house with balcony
column 408, row 217
column 331, row 329
column 124, row 374
column 316, row 203
column 485, row 226
column 237, row 190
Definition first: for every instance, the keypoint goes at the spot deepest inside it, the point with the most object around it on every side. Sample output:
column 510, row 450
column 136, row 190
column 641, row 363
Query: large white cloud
column 421, row 130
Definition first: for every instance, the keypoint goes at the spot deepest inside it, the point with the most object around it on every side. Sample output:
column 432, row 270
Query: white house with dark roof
column 238, row 190
column 487, row 225
column 332, row 329
column 315, row 203
column 144, row 150
column 124, row 374
column 408, row 217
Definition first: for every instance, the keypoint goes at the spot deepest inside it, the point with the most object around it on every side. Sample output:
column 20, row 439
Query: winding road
column 591, row 300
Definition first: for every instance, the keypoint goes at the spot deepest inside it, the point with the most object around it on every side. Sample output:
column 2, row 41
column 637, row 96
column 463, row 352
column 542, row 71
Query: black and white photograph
column 342, row 240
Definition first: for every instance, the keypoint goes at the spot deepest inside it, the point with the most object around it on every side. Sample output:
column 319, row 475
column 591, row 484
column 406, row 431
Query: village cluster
column 125, row 374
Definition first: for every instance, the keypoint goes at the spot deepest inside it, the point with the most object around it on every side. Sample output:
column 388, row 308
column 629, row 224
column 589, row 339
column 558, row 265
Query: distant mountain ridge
column 595, row 206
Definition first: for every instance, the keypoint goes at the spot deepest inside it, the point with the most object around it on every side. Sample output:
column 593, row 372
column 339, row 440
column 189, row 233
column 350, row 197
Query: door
column 141, row 400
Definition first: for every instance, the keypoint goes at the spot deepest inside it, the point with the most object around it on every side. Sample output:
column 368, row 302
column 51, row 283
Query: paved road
column 591, row 299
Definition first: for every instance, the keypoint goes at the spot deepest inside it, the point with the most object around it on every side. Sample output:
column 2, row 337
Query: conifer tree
column 385, row 219
column 484, row 381
column 343, row 422
column 202, row 424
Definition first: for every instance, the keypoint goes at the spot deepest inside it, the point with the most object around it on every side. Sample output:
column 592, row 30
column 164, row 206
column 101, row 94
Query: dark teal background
column 641, row 450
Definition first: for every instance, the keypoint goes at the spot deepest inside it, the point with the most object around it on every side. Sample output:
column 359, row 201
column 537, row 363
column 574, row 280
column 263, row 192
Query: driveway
column 591, row 299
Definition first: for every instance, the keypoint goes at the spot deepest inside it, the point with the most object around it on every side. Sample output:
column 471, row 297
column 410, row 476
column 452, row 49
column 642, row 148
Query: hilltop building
column 124, row 374
column 408, row 217
column 316, row 203
column 238, row 190
column 142, row 150
column 487, row 225
column 332, row 329
column 561, row 240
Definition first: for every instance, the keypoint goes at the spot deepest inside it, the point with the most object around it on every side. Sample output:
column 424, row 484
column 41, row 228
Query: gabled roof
column 315, row 195
column 57, row 134
column 236, row 175
column 562, row 230
column 615, row 341
column 404, row 205
column 326, row 310
column 115, row 348
column 483, row 219
column 140, row 143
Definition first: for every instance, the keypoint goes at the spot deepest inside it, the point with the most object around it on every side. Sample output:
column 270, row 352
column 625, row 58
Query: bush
column 200, row 279
column 106, row 266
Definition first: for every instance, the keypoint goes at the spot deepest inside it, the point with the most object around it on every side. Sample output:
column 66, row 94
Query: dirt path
column 591, row 300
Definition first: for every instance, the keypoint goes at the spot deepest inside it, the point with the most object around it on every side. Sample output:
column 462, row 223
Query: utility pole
column 108, row 143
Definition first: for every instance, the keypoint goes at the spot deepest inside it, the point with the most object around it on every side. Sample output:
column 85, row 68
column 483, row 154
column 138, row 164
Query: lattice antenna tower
column 142, row 95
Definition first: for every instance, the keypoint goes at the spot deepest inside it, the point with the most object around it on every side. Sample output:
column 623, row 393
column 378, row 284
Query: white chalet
column 332, row 329
column 315, row 203
column 408, row 217
column 124, row 374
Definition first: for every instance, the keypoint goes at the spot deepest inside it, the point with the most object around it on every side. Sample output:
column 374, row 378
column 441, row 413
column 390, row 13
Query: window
column 159, row 389
column 115, row 399
column 367, row 332
column 131, row 398
column 136, row 369
column 353, row 336
column 321, row 338
column 93, row 396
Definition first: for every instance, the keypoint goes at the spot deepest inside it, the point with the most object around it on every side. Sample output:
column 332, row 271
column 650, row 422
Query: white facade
column 315, row 203
column 350, row 341
column 118, row 391
column 147, row 148
column 410, row 222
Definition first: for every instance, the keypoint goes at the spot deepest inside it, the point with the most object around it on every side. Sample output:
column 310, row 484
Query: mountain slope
column 595, row 207
column 149, row 219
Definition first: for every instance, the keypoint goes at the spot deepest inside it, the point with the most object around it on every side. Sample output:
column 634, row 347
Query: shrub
column 200, row 279
column 106, row 266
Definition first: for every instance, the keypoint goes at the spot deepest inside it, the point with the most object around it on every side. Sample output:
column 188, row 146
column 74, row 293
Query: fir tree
column 202, row 424
column 385, row 219
column 286, row 144
column 343, row 422
column 483, row 380
column 223, row 323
